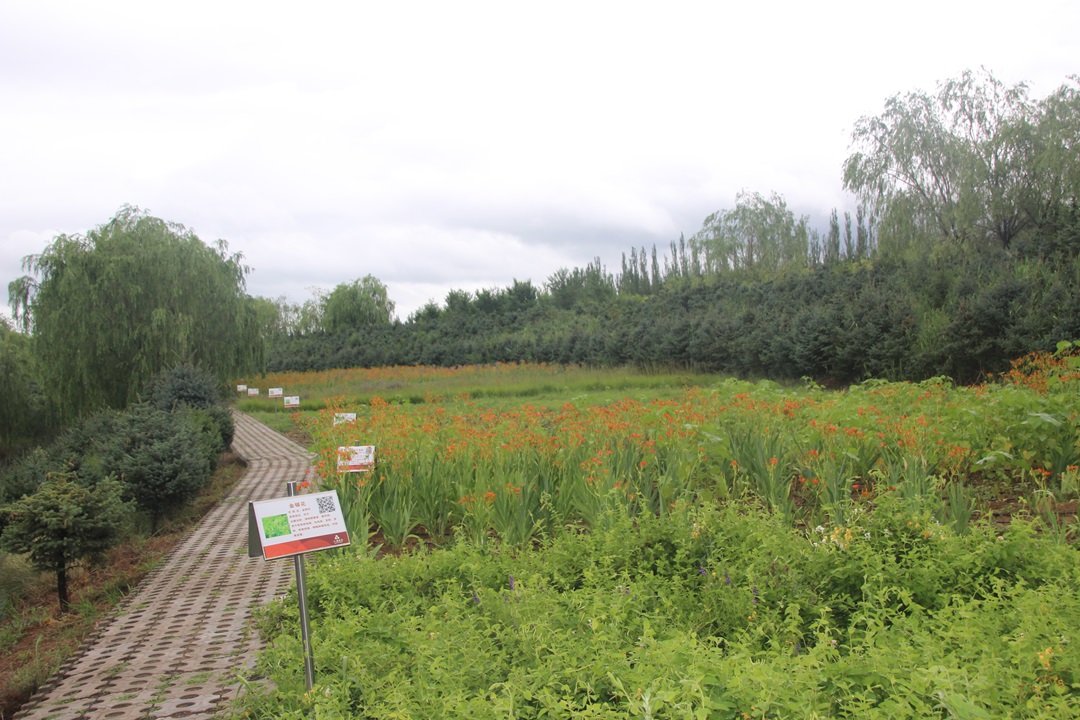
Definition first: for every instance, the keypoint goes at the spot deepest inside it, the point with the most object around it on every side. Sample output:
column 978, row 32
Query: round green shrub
column 184, row 385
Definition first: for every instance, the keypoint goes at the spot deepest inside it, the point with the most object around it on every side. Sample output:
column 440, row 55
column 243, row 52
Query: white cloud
column 460, row 145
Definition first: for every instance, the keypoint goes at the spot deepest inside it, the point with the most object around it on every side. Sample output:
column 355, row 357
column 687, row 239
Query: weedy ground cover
column 732, row 550
column 707, row 612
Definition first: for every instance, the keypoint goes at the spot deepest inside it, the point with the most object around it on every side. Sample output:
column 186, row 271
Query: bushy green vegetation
column 23, row 416
column 911, row 314
column 63, row 522
column 69, row 499
column 707, row 612
column 739, row 550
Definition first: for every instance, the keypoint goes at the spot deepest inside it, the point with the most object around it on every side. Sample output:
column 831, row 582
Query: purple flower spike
column 475, row 599
column 511, row 582
column 727, row 580
column 702, row 569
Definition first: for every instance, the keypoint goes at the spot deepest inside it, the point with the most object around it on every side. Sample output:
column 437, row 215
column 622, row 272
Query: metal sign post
column 301, row 592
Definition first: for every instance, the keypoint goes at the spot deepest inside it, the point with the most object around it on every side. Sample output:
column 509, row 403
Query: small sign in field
column 356, row 458
column 292, row 525
column 275, row 392
column 253, row 391
column 292, row 401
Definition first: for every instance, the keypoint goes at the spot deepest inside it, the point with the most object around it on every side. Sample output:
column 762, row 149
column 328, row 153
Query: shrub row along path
column 179, row 640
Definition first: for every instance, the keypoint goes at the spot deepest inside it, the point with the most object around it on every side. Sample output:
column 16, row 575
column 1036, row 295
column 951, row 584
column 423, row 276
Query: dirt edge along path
column 177, row 643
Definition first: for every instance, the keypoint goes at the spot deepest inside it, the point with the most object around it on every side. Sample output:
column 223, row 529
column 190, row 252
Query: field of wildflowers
column 730, row 550
column 518, row 471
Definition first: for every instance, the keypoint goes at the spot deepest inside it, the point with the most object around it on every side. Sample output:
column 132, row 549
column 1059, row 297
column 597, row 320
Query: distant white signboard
column 292, row 401
column 275, row 393
column 356, row 458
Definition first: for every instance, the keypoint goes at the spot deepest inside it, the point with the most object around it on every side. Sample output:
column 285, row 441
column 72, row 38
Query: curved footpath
column 176, row 645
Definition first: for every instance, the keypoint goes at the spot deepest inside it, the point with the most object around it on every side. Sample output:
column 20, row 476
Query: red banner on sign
column 295, row 547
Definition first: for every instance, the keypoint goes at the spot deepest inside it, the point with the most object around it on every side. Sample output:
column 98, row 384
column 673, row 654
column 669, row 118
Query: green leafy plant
column 160, row 463
column 64, row 522
column 183, row 385
column 716, row 611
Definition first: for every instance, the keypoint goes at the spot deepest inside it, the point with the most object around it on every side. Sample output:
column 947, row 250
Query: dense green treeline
column 946, row 314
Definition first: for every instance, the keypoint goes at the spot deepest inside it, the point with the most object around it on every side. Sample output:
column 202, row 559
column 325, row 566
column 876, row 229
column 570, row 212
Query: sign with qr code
column 355, row 458
column 288, row 526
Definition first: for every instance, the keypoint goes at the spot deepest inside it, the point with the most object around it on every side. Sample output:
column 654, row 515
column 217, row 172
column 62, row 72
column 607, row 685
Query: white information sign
column 340, row 418
column 275, row 392
column 356, row 458
column 253, row 391
column 241, row 388
column 292, row 401
column 299, row 524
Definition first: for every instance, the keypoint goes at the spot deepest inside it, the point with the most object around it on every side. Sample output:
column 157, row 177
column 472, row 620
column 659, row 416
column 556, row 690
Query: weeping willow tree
column 759, row 236
column 108, row 310
column 22, row 411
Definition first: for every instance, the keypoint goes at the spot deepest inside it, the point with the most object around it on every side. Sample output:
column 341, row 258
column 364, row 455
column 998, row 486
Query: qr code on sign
column 326, row 504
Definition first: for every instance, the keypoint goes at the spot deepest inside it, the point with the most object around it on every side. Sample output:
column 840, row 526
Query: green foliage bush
column 707, row 612
column 90, row 447
column 225, row 424
column 184, row 385
column 25, row 475
column 207, row 434
column 23, row 412
column 162, row 462
column 163, row 458
column 63, row 522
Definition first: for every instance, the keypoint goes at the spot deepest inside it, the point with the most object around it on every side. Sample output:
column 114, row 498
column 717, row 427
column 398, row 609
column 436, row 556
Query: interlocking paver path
column 176, row 645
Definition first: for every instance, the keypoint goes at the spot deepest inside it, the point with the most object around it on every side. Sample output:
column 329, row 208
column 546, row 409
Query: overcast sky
column 461, row 145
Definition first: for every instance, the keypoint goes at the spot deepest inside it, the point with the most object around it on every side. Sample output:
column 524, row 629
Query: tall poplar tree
column 110, row 309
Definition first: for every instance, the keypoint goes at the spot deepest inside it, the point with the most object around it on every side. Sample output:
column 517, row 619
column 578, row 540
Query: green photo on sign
column 276, row 526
